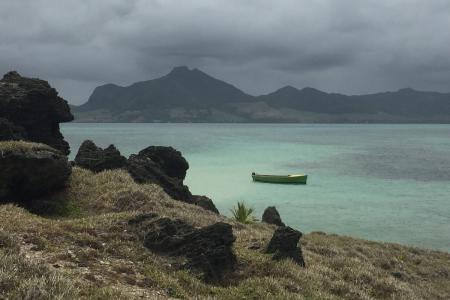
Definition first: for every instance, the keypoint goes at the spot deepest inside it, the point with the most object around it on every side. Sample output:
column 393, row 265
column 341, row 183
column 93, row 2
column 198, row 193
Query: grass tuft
column 243, row 214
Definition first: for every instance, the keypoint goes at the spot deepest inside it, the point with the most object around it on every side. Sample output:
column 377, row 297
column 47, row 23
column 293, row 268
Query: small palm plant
column 243, row 214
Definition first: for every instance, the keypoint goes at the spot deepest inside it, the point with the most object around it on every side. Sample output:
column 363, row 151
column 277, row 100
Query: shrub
column 243, row 214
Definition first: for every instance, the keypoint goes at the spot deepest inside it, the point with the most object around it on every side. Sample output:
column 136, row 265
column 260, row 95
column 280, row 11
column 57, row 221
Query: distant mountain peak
column 191, row 95
column 407, row 90
column 288, row 88
column 291, row 89
column 185, row 72
column 311, row 90
column 179, row 69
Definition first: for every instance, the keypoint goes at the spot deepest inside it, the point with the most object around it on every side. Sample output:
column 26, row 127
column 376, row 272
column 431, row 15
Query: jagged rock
column 208, row 249
column 144, row 170
column 166, row 167
column 11, row 132
column 271, row 216
column 284, row 244
column 32, row 104
column 205, row 203
column 29, row 171
column 168, row 159
column 94, row 158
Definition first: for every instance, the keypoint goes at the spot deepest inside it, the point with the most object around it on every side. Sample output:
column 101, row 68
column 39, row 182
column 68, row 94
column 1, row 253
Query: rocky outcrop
column 284, row 244
column 29, row 171
column 271, row 216
column 160, row 165
column 35, row 108
column 11, row 132
column 208, row 249
column 96, row 159
column 144, row 170
column 205, row 203
column 168, row 159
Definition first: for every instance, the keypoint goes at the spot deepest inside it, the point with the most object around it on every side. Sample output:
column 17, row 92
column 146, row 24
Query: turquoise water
column 380, row 182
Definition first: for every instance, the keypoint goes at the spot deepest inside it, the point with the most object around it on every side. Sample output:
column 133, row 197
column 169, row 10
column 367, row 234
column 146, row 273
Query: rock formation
column 34, row 109
column 284, row 244
column 160, row 165
column 144, row 170
column 166, row 167
column 205, row 203
column 208, row 249
column 271, row 216
column 96, row 159
column 11, row 132
column 29, row 171
column 168, row 159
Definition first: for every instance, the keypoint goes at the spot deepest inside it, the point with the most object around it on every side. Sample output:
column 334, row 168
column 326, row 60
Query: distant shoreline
column 265, row 123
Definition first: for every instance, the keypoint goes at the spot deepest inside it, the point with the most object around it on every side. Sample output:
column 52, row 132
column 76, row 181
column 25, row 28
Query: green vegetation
column 243, row 214
column 89, row 253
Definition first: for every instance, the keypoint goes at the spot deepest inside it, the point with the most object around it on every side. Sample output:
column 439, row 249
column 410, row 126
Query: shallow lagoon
column 380, row 182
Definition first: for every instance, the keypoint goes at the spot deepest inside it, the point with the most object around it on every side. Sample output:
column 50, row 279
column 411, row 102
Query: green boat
column 295, row 179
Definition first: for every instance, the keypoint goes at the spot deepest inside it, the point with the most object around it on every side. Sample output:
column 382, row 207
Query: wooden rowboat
column 295, row 179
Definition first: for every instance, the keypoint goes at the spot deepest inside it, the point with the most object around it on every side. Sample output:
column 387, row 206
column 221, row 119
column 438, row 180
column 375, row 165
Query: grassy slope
column 22, row 146
column 85, row 250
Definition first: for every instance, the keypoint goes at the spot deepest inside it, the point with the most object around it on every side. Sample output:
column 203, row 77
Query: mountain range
column 190, row 95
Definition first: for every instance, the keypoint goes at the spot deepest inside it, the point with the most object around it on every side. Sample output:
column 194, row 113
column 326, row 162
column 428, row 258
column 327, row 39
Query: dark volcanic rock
column 144, row 170
column 284, row 245
column 205, row 203
column 166, row 235
column 208, row 249
column 271, row 216
column 33, row 105
column 94, row 158
column 29, row 171
column 11, row 132
column 168, row 159
column 166, row 167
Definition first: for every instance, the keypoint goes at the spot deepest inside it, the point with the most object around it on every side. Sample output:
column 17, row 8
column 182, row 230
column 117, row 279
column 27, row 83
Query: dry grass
column 83, row 246
column 8, row 146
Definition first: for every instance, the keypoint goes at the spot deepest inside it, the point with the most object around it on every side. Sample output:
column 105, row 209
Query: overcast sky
column 347, row 46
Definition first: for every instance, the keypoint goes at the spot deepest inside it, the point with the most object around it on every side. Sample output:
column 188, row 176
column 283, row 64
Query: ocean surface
column 379, row 182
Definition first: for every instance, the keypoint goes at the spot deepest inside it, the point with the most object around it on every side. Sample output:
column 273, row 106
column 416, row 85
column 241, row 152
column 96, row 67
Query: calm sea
column 379, row 182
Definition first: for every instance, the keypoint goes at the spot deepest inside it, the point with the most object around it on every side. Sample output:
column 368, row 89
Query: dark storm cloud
column 348, row 46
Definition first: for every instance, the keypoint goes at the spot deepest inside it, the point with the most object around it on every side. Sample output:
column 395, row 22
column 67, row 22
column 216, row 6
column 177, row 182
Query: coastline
column 378, row 202
column 87, row 243
column 106, row 226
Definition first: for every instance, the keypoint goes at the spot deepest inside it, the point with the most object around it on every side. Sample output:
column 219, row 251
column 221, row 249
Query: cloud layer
column 347, row 46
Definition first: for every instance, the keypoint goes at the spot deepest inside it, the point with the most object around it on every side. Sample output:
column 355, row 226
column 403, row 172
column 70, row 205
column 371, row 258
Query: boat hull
column 289, row 179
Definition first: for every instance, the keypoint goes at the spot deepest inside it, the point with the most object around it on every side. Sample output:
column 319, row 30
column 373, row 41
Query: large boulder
column 284, row 244
column 144, row 170
column 29, row 171
column 96, row 159
column 34, row 106
column 11, row 132
column 168, row 159
column 208, row 249
column 205, row 203
column 271, row 216
column 166, row 167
